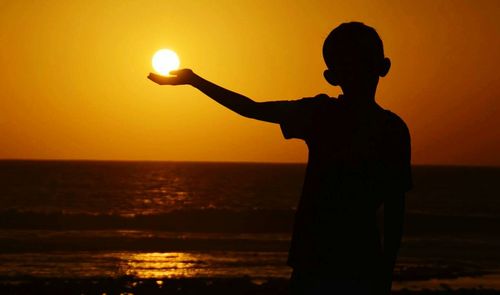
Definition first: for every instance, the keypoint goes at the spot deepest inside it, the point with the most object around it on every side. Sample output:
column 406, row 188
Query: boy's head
column 354, row 56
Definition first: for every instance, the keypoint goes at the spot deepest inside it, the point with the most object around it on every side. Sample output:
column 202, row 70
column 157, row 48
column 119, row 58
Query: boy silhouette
column 359, row 159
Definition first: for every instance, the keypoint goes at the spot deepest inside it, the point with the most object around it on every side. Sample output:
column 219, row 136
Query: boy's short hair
column 353, row 40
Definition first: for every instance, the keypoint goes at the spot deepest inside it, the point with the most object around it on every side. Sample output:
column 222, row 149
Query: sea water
column 81, row 219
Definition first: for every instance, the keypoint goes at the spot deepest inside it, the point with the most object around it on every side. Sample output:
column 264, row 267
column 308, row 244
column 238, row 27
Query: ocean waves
column 227, row 221
column 202, row 220
column 33, row 241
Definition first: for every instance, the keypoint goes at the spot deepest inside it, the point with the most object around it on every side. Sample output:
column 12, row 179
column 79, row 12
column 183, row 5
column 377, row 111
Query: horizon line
column 214, row 161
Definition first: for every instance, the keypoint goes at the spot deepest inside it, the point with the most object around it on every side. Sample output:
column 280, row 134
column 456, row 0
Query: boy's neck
column 359, row 97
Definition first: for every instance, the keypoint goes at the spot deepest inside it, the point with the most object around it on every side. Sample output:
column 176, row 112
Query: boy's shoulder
column 395, row 118
column 318, row 98
column 396, row 123
column 317, row 101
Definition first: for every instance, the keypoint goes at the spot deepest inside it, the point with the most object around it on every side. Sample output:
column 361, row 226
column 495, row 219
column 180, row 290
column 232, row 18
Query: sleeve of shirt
column 297, row 116
column 401, row 158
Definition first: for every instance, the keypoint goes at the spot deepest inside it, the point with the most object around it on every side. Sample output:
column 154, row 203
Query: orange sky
column 73, row 76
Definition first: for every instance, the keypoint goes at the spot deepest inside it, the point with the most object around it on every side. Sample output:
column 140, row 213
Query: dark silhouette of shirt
column 358, row 157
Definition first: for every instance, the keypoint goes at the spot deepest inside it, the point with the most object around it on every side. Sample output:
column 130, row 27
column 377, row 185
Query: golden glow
column 88, row 96
column 164, row 61
column 197, row 264
column 161, row 265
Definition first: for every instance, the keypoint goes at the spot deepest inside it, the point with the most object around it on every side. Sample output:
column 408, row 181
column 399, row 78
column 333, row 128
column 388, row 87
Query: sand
column 130, row 285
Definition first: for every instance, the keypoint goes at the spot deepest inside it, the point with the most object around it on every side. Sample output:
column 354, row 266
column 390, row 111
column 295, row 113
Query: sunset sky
column 73, row 76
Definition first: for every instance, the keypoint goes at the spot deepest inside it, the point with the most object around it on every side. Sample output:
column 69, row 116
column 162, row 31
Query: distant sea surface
column 83, row 219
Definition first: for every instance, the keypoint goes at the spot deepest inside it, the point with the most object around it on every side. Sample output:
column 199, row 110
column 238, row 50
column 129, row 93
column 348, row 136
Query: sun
column 164, row 61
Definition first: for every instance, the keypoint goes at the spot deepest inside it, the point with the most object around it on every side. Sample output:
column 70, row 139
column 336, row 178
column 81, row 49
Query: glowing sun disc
column 164, row 61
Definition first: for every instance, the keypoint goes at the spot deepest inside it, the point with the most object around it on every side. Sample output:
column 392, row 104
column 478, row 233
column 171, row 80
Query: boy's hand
column 179, row 77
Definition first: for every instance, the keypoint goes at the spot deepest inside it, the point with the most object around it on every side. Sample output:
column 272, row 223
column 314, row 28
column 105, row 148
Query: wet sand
column 131, row 285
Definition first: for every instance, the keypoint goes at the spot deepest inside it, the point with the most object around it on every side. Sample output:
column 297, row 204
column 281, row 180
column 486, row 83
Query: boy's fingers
column 155, row 76
column 152, row 77
column 158, row 79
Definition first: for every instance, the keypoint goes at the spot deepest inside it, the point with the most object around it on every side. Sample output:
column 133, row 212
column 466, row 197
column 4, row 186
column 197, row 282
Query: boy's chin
column 333, row 83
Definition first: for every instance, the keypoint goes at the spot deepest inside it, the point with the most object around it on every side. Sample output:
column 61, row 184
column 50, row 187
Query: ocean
column 164, row 220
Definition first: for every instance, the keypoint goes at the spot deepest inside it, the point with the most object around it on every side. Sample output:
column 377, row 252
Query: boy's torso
column 335, row 225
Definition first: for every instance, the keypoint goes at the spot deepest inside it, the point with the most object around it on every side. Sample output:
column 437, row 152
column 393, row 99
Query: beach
column 127, row 285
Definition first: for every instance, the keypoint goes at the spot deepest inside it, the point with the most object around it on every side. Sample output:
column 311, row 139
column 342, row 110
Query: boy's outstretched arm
column 238, row 103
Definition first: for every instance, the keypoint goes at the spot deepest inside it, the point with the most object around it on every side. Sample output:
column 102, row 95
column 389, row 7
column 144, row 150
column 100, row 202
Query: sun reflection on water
column 162, row 265
column 198, row 264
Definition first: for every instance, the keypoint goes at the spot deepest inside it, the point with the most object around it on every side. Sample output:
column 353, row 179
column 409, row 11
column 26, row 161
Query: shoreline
column 221, row 286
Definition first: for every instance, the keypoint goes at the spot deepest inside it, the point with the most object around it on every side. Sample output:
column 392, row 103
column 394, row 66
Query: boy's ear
column 331, row 77
column 384, row 67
